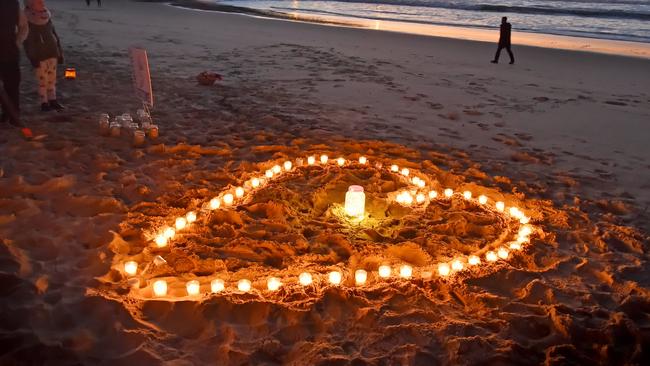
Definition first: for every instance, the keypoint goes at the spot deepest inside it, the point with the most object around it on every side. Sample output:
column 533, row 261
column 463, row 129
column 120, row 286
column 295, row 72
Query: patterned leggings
column 46, row 75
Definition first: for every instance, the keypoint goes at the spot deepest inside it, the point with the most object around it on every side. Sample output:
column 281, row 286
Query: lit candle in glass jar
column 227, row 199
column 217, row 285
column 180, row 223
column 335, row 277
column 273, row 284
column 305, row 279
column 131, row 268
column 239, row 192
column 406, row 271
column 193, row 287
column 355, row 201
column 255, row 182
column 384, row 271
column 160, row 288
column 360, row 276
column 244, row 285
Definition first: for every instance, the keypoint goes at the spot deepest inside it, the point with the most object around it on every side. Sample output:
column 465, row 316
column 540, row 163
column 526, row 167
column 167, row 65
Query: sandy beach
column 561, row 134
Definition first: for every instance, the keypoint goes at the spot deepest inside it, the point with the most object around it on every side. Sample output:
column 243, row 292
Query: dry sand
column 564, row 132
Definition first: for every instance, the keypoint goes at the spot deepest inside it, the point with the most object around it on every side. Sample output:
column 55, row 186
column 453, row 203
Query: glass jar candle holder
column 116, row 129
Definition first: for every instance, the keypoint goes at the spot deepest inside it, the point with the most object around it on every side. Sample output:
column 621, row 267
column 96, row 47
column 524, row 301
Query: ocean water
column 614, row 19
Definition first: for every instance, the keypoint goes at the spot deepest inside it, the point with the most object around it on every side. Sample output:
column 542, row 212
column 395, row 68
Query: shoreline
column 520, row 38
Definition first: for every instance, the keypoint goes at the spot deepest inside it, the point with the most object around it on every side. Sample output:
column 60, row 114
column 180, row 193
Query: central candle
column 355, row 201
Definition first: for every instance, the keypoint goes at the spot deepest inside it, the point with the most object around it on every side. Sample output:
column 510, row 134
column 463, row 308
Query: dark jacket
column 8, row 24
column 42, row 43
column 504, row 36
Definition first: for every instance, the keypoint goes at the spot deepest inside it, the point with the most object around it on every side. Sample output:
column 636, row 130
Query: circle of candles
column 407, row 198
column 405, row 271
column 305, row 279
column 255, row 182
column 515, row 245
column 482, row 199
column 394, row 168
column 415, row 180
column 473, row 260
column 467, row 195
column 335, row 277
column 503, row 253
column 363, row 160
column 323, row 159
column 193, row 287
column 215, row 203
column 422, row 183
column 500, row 206
column 360, row 276
column 433, row 195
column 340, row 161
column 449, row 192
column 457, row 265
column 269, row 173
column 405, row 172
column 524, row 219
column 491, row 256
column 384, row 271
column 311, row 160
column 287, row 165
column 190, row 217
column 420, row 198
column 443, row 269
column 228, row 199
column 277, row 169
column 180, row 223
column 160, row 288
column 239, row 192
column 244, row 285
column 217, row 285
column 525, row 230
column 161, row 241
column 131, row 268
column 273, row 283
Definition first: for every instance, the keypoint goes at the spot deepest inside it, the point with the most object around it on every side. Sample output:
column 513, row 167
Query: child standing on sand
column 43, row 49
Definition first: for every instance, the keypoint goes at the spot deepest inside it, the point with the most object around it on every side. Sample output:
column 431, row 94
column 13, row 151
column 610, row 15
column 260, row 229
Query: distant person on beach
column 99, row 3
column 504, row 41
column 43, row 49
column 13, row 31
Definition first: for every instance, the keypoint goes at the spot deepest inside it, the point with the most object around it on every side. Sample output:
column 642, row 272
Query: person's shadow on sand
column 504, row 41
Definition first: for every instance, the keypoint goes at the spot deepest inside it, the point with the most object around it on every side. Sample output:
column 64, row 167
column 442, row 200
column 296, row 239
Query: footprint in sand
column 613, row 102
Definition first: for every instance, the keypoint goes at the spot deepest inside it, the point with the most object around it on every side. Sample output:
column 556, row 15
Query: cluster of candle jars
column 416, row 193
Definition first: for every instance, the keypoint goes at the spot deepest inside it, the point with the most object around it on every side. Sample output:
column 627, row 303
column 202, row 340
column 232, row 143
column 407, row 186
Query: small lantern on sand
column 70, row 73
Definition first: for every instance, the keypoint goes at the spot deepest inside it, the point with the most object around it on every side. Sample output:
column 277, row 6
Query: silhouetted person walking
column 504, row 41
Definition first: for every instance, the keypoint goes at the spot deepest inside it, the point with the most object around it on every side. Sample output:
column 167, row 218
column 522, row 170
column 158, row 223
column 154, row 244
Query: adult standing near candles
column 13, row 30
column 43, row 49
column 504, row 41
